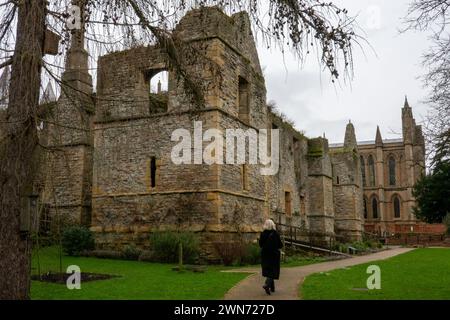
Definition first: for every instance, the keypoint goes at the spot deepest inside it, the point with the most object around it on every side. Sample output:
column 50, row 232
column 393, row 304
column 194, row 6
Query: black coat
column 270, row 244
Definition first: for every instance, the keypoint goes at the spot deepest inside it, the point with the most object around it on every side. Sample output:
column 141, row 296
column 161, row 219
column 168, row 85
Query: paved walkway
column 290, row 278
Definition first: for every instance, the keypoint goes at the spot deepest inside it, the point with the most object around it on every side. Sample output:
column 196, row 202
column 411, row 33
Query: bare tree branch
column 6, row 63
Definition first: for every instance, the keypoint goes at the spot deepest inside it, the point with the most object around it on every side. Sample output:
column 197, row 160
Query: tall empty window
column 153, row 169
column 375, row 208
column 363, row 171
column 244, row 99
column 371, row 171
column 365, row 207
column 397, row 208
column 244, row 177
column 392, row 169
column 288, row 203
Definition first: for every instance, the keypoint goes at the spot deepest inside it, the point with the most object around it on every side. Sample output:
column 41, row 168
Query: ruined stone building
column 111, row 167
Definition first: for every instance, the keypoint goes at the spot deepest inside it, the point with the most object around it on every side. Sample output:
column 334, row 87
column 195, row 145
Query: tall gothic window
column 371, row 171
column 392, row 181
column 375, row 208
column 397, row 207
column 363, row 171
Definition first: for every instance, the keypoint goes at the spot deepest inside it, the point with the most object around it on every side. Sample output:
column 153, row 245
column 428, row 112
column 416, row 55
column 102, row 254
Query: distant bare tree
column 300, row 25
column 434, row 15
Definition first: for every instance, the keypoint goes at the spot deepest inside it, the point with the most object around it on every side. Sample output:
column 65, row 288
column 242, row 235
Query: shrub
column 238, row 253
column 252, row 254
column 77, row 239
column 130, row 252
column 341, row 247
column 231, row 252
column 360, row 246
column 374, row 244
column 165, row 246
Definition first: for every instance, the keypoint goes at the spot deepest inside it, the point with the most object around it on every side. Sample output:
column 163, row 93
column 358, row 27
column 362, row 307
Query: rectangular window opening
column 288, row 203
column 244, row 100
column 153, row 169
column 244, row 177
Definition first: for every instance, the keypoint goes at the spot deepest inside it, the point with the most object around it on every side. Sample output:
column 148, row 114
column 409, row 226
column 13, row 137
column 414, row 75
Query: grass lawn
column 138, row 280
column 422, row 274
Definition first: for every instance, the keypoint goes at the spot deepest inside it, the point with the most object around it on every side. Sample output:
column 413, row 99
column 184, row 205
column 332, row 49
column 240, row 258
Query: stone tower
column 68, row 186
column 320, row 185
column 350, row 137
column 347, row 189
column 414, row 152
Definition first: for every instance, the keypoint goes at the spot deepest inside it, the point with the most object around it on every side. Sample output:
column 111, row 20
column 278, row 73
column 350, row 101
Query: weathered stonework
column 347, row 188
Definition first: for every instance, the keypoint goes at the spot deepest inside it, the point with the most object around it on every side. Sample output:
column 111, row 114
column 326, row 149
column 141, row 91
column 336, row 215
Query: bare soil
column 61, row 278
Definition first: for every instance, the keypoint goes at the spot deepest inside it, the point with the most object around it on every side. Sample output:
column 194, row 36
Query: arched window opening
column 371, row 171
column 363, row 171
column 397, row 209
column 392, row 169
column 159, row 87
column 375, row 208
column 159, row 83
column 365, row 208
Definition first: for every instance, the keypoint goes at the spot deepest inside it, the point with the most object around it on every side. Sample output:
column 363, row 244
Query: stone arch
column 158, row 86
column 375, row 207
column 396, row 206
column 159, row 81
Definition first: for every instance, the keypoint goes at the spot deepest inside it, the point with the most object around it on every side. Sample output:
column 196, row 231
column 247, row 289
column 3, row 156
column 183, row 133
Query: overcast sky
column 377, row 92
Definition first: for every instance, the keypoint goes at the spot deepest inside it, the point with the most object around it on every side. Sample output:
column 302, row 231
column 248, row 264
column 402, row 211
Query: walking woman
column 270, row 244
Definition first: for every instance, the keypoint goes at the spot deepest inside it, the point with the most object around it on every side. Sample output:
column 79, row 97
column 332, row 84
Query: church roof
column 367, row 143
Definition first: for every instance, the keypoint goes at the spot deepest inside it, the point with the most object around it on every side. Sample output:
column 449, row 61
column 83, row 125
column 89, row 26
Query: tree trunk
column 18, row 148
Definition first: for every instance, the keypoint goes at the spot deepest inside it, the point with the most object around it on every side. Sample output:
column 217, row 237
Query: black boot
column 265, row 287
column 272, row 287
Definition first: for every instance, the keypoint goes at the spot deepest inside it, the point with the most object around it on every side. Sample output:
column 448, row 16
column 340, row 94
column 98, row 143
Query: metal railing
column 308, row 240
